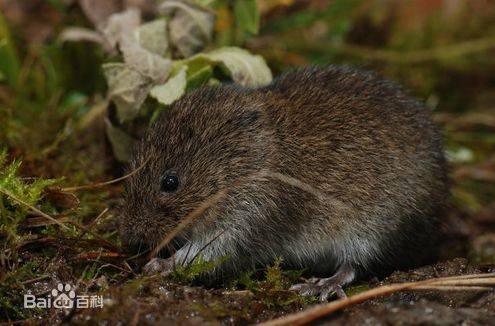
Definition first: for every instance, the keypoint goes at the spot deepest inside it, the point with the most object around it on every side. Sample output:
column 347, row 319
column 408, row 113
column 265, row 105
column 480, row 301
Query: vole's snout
column 131, row 241
column 142, row 229
column 133, row 233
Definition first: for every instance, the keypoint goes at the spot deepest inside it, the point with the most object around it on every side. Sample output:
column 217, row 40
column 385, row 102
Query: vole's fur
column 325, row 167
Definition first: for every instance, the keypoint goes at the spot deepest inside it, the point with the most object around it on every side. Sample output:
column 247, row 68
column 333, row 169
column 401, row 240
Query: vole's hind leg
column 324, row 286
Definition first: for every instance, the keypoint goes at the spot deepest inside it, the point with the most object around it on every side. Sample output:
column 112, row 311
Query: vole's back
column 373, row 153
column 329, row 169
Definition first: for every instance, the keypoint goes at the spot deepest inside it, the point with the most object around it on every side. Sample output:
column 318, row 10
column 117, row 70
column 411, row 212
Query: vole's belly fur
column 369, row 152
column 336, row 167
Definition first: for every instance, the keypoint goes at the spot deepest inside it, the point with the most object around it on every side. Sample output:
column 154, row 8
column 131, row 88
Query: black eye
column 170, row 183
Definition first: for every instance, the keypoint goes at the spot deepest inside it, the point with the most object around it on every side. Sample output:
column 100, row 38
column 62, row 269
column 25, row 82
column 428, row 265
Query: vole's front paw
column 159, row 266
column 322, row 287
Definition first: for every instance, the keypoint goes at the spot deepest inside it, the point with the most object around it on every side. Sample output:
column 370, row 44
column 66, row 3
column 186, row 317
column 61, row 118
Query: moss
column 14, row 191
column 188, row 274
column 356, row 289
column 273, row 288
column 13, row 290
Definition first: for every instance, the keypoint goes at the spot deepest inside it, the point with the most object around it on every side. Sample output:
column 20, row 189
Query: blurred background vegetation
column 443, row 51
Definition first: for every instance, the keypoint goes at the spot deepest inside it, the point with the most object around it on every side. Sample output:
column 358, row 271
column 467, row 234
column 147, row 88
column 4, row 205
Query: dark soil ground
column 138, row 300
column 165, row 302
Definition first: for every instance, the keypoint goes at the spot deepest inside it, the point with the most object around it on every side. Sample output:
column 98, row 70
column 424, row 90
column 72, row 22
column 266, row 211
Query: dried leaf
column 152, row 36
column 98, row 11
column 128, row 89
column 77, row 34
column 147, row 7
column 60, row 198
column 38, row 221
column 122, row 143
column 245, row 68
column 147, row 63
column 120, row 25
column 172, row 90
column 191, row 25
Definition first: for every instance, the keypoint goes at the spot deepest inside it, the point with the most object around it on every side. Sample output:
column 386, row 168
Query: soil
column 156, row 300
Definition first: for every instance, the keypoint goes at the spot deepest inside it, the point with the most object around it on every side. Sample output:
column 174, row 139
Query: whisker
column 187, row 254
column 106, row 183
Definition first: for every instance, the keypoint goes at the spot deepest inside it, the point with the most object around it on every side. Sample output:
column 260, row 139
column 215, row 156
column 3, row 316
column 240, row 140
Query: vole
column 331, row 169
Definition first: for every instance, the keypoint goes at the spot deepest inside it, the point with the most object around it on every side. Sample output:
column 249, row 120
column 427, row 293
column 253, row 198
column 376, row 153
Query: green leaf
column 127, row 88
column 122, row 143
column 199, row 77
column 204, row 3
column 172, row 90
column 247, row 15
column 244, row 68
column 199, row 71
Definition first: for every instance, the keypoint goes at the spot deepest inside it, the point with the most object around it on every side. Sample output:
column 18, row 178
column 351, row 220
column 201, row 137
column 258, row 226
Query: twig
column 212, row 200
column 452, row 288
column 126, row 264
column 468, row 276
column 114, row 266
column 462, row 282
column 400, row 57
column 322, row 310
column 417, row 56
column 90, row 224
column 206, row 246
column 135, row 318
column 98, row 237
column 34, row 280
column 260, row 175
column 106, row 183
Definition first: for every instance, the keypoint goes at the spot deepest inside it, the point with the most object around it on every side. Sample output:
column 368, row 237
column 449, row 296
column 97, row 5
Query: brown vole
column 331, row 169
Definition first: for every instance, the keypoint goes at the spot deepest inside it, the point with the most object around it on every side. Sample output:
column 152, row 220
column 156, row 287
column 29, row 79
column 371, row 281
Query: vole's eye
column 170, row 183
